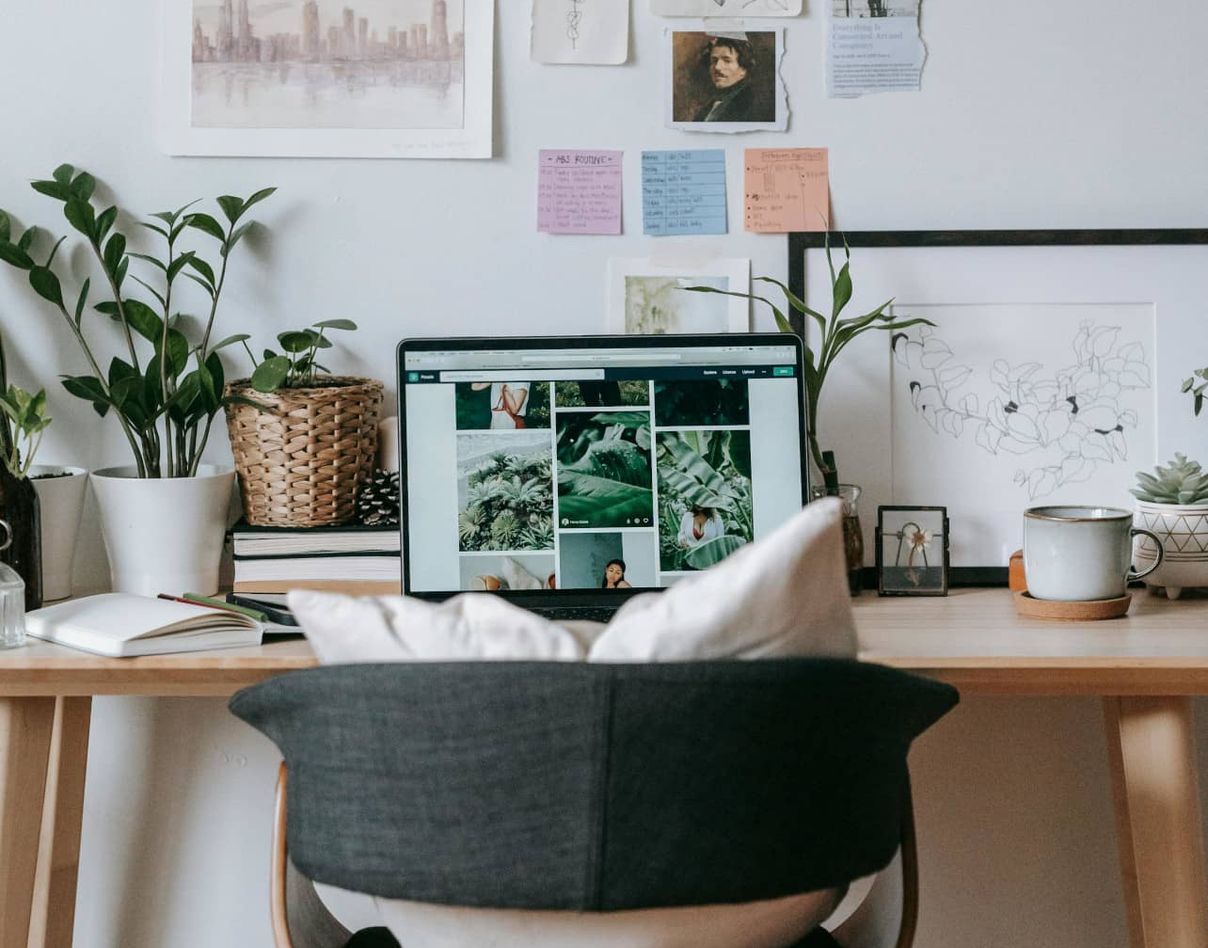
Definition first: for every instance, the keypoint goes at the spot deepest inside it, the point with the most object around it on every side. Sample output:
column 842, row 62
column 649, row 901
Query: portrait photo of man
column 725, row 79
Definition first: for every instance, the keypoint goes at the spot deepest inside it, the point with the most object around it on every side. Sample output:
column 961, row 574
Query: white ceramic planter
column 1184, row 534
column 60, row 502
column 163, row 535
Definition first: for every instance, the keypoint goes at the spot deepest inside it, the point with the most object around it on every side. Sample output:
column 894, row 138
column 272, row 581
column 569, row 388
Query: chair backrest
column 594, row 787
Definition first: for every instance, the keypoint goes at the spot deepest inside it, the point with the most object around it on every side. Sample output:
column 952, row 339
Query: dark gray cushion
column 594, row 787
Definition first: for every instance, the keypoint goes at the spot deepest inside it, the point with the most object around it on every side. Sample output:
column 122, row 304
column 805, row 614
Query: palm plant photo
column 604, row 472
column 705, row 503
column 505, row 493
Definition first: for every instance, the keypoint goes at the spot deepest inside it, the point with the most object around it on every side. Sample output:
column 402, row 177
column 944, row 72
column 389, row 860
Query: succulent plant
column 1179, row 482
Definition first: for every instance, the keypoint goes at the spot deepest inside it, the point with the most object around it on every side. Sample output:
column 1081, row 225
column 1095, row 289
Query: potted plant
column 834, row 334
column 164, row 515
column 22, row 420
column 1173, row 503
column 304, row 441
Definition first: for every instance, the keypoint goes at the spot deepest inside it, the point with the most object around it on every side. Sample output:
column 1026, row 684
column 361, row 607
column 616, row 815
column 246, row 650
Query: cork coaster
column 1025, row 605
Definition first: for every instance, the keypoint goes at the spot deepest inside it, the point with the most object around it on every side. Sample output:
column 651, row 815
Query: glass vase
column 19, row 509
column 853, row 535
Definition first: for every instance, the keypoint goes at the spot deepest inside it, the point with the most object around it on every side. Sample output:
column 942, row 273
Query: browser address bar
column 519, row 375
column 624, row 358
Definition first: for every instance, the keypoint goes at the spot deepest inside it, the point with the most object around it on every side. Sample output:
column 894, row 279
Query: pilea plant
column 164, row 401
column 297, row 365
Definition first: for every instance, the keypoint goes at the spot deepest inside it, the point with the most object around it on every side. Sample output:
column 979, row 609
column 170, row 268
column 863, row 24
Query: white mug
column 1079, row 554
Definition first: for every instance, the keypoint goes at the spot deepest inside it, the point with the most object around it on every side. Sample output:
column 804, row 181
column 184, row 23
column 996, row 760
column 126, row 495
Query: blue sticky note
column 684, row 192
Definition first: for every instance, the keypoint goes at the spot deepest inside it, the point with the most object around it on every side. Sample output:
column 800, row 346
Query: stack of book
column 353, row 559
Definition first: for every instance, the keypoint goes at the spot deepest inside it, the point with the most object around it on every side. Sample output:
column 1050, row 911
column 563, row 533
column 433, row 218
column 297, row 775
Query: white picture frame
column 1012, row 271
column 470, row 137
column 632, row 279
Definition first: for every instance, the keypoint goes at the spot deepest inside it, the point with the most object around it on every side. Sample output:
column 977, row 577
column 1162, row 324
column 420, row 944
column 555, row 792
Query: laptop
column 569, row 473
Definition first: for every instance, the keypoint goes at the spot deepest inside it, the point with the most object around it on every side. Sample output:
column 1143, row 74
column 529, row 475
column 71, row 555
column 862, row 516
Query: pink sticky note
column 579, row 192
column 787, row 190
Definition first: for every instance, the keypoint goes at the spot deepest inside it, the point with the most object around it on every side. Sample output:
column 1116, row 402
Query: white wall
column 1033, row 114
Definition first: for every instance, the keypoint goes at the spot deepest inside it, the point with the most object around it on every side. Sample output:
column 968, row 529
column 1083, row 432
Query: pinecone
column 377, row 500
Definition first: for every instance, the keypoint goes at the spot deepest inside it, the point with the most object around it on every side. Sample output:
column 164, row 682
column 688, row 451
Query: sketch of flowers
column 1075, row 415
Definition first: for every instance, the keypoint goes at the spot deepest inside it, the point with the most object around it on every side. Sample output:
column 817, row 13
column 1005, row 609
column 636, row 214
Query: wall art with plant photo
column 912, row 551
column 502, row 405
column 710, row 403
column 604, row 469
column 705, row 500
column 648, row 297
column 726, row 80
column 602, row 393
column 383, row 78
column 505, row 491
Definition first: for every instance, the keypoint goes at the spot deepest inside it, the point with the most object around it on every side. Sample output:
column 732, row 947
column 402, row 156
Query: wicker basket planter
column 301, row 462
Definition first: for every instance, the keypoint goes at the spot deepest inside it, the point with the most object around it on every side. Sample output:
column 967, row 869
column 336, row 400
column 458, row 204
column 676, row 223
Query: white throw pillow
column 785, row 595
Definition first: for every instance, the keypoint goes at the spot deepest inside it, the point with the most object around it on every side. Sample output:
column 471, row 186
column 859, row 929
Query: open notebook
column 121, row 624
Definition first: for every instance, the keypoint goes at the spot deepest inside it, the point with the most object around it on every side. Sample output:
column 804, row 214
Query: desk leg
column 1151, row 750
column 25, row 729
column 54, row 900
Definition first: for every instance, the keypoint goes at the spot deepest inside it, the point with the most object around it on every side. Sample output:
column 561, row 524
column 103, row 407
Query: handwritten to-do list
column 579, row 192
column 684, row 192
column 787, row 190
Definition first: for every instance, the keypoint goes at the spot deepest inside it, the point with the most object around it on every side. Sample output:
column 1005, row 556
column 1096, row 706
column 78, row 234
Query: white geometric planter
column 163, row 534
column 1183, row 530
column 60, row 502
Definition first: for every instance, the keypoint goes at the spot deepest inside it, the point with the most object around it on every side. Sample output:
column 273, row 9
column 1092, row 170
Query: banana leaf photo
column 705, row 507
column 604, row 469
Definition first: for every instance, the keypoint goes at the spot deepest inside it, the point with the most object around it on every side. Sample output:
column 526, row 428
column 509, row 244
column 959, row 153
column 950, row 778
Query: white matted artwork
column 725, row 77
column 321, row 78
column 703, row 8
column 1002, row 407
column 645, row 296
column 1012, row 290
column 590, row 32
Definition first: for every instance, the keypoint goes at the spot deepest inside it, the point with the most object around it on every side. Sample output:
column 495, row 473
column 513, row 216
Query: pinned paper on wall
column 684, row 192
column 579, row 192
column 725, row 7
column 787, row 190
column 590, row 32
column 874, row 46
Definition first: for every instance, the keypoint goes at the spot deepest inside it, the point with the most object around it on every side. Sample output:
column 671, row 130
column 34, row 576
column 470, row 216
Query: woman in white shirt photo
column 509, row 403
column 700, row 525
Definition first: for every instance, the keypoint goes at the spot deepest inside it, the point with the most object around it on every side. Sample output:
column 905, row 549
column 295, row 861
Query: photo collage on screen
column 600, row 484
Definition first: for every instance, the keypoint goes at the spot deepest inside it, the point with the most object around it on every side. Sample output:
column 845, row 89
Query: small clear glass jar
column 12, row 597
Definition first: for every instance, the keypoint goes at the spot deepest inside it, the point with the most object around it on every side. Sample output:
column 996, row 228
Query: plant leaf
column 83, row 186
column 229, row 341
column 841, row 290
column 256, row 198
column 155, row 227
column 80, row 215
column 6, row 227
column 88, row 388
column 82, row 301
column 231, row 206
column 46, row 285
column 297, row 341
column 178, row 264
column 206, row 224
column 150, row 289
column 270, row 373
column 202, row 283
column 143, row 320
column 201, row 267
column 105, row 221
column 147, row 258
column 15, row 256
column 63, row 174
column 26, row 240
column 54, row 189
column 336, row 324
column 114, row 250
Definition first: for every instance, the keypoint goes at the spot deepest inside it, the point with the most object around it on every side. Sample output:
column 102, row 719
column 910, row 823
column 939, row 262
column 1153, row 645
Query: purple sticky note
column 579, row 192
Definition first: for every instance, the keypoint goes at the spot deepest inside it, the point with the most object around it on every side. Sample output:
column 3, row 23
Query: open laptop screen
column 593, row 463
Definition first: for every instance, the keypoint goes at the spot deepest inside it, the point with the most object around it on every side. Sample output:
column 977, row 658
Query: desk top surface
column 972, row 638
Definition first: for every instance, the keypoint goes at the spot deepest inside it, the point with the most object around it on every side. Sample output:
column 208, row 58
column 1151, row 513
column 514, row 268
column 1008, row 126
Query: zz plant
column 167, row 385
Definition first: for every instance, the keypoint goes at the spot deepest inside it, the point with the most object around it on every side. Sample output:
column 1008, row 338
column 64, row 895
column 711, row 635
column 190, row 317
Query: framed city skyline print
column 328, row 78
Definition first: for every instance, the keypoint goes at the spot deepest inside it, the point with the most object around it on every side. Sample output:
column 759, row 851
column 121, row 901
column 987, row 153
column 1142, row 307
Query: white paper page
column 874, row 47
column 591, row 32
column 725, row 7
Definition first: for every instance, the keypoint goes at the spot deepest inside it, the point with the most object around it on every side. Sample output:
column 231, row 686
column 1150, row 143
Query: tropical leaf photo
column 604, row 470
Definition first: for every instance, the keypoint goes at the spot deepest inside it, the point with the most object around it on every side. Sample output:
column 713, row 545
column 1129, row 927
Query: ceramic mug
column 1079, row 554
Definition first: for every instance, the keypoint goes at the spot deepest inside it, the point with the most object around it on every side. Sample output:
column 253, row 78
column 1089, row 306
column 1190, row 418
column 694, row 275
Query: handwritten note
column 684, row 192
column 787, row 190
column 579, row 192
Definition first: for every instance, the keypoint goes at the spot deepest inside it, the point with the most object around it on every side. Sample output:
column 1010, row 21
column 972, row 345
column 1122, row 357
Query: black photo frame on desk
column 1139, row 293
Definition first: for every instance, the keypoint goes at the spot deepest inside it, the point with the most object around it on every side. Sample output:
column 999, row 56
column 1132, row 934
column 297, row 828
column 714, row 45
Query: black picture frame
column 940, row 589
column 800, row 242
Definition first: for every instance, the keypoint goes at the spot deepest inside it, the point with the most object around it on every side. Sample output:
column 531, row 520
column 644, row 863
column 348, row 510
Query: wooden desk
column 1144, row 667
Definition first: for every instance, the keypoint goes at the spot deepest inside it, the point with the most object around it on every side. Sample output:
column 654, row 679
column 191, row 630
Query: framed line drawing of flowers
column 912, row 551
column 1051, row 375
column 325, row 78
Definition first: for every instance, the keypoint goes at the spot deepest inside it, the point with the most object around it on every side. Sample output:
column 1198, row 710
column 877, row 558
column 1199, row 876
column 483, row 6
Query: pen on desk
column 276, row 614
column 193, row 599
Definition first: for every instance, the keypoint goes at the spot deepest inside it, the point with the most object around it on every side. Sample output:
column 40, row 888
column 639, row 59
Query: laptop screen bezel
column 571, row 598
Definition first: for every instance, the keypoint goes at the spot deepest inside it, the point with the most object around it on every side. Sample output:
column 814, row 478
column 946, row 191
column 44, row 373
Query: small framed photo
column 912, row 551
